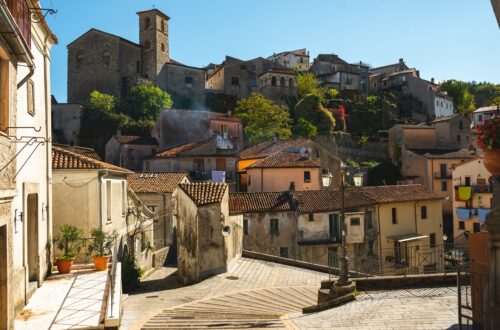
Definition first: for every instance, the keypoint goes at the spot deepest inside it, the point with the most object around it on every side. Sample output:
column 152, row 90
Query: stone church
column 105, row 62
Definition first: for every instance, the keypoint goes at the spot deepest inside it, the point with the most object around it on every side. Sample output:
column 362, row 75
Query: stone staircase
column 252, row 309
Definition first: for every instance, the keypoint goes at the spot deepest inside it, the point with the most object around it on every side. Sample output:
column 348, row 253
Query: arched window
column 162, row 47
column 273, row 81
column 147, row 23
column 282, row 82
column 290, row 82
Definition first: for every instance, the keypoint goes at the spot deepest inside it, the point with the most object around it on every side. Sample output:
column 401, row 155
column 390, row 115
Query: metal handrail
column 113, row 278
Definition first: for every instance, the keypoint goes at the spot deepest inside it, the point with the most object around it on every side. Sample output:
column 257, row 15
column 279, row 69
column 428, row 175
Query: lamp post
column 344, row 260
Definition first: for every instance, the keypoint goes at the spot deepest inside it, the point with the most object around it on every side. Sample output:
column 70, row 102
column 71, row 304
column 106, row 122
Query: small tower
column 153, row 37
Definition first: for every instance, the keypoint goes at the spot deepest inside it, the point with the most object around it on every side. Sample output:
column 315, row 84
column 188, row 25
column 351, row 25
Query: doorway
column 32, row 237
column 3, row 277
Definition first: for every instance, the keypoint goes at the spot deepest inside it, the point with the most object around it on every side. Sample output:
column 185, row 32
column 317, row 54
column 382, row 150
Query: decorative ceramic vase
column 64, row 265
column 101, row 263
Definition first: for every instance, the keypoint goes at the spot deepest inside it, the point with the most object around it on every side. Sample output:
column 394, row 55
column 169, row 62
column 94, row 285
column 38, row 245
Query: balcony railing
column 482, row 189
column 439, row 175
column 20, row 11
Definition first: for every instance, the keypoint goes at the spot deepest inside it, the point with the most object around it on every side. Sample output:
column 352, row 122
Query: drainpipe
column 415, row 216
column 379, row 238
column 48, row 138
column 99, row 202
column 262, row 180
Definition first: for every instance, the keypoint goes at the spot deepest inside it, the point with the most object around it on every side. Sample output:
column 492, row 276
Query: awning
column 407, row 237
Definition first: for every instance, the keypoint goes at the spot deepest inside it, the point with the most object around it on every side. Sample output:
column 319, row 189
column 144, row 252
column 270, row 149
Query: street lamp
column 344, row 273
column 358, row 179
column 326, row 179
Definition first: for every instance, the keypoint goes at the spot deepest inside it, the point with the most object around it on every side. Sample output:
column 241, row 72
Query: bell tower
column 153, row 37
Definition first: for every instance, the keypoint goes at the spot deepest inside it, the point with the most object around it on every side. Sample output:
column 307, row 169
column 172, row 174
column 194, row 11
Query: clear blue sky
column 444, row 39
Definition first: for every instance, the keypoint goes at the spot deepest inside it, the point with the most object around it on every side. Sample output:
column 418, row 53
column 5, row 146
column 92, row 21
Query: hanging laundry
column 463, row 214
column 464, row 193
column 482, row 213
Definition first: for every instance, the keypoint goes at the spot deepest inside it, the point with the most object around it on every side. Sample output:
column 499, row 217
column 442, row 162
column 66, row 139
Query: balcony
column 442, row 176
column 482, row 189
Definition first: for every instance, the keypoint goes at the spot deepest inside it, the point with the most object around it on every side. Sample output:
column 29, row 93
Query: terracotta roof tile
column 284, row 160
column 137, row 140
column 67, row 160
column 328, row 200
column 401, row 193
column 447, row 153
column 173, row 152
column 155, row 182
column 204, row 193
column 267, row 148
column 87, row 152
column 260, row 202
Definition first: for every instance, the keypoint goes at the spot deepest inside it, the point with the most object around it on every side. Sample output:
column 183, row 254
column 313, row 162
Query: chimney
column 118, row 132
column 401, row 61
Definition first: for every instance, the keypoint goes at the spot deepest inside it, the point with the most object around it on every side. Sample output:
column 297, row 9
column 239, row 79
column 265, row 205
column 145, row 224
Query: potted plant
column 100, row 245
column 70, row 242
column 489, row 141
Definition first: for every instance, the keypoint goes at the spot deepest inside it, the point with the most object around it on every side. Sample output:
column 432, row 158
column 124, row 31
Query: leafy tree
column 311, row 109
column 221, row 102
column 101, row 101
column 144, row 101
column 485, row 94
column 463, row 100
column 386, row 173
column 366, row 115
column 304, row 129
column 307, row 83
column 262, row 119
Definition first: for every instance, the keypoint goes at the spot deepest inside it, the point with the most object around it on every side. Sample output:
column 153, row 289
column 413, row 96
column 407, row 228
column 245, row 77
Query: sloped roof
column 155, row 182
column 401, row 193
column 260, row 202
column 419, row 126
column 445, row 118
column 285, row 159
column 312, row 201
column 267, row 148
column 87, row 152
column 446, row 153
column 63, row 159
column 175, row 151
column 136, row 140
column 204, row 193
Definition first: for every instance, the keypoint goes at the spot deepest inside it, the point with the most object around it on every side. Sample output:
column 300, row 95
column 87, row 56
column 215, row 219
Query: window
column 311, row 217
column 31, row 97
column 432, row 240
column 444, row 186
column 480, row 118
column 189, row 81
column 461, row 225
column 369, row 219
column 461, row 125
column 355, row 221
column 235, row 81
column 459, row 138
column 147, row 23
column 275, row 227
column 423, row 212
column 249, row 180
column 253, row 83
column 468, row 181
column 243, row 67
column 162, row 26
column 108, row 200
column 394, row 216
column 273, row 81
column 476, row 227
column 282, row 82
column 153, row 208
column 163, row 47
column 335, row 231
column 245, row 226
column 307, row 176
column 443, row 170
column 283, row 252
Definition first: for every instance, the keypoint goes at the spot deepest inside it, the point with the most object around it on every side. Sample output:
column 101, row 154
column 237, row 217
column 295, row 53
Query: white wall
column 443, row 107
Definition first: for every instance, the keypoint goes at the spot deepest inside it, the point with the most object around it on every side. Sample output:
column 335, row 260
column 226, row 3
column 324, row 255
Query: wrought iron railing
column 21, row 12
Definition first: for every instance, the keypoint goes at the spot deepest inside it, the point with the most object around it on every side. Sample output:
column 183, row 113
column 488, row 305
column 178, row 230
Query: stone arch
column 282, row 82
column 147, row 23
column 273, row 81
column 290, row 82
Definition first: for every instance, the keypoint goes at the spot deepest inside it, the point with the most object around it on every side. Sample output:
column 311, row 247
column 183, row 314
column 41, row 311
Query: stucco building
column 472, row 196
column 242, row 78
column 209, row 241
column 66, row 119
column 334, row 72
column 25, row 132
column 452, row 132
column 294, row 59
column 128, row 151
column 158, row 191
column 101, row 61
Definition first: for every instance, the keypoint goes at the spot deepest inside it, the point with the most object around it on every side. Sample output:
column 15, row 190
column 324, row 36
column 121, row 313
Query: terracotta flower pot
column 64, row 265
column 101, row 263
column 491, row 161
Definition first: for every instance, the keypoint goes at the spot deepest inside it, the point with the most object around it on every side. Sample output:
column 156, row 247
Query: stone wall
column 185, row 84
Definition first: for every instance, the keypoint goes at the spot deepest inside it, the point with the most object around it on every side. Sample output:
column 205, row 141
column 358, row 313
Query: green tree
column 311, row 109
column 463, row 100
column 144, row 101
column 262, row 119
column 307, row 83
column 101, row 101
column 304, row 129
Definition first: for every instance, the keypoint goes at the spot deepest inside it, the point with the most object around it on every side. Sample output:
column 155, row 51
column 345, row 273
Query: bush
column 385, row 173
column 130, row 273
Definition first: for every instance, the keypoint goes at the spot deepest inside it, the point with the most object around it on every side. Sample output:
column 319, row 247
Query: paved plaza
column 257, row 294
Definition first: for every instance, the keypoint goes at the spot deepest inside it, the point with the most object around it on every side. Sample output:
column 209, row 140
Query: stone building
column 209, row 241
column 66, row 119
column 25, row 172
column 334, row 72
column 294, row 59
column 128, row 151
column 242, row 78
column 452, row 132
column 158, row 191
column 402, row 80
column 101, row 61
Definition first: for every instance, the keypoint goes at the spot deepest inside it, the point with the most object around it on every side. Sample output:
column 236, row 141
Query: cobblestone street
column 258, row 294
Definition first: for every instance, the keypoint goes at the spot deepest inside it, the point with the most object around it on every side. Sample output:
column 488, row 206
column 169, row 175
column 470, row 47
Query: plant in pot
column 69, row 241
column 100, row 246
column 489, row 141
